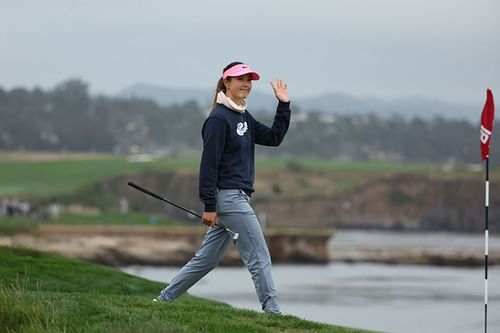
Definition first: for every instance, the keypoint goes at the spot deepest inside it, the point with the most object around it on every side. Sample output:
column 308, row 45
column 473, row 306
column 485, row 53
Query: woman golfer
column 226, row 183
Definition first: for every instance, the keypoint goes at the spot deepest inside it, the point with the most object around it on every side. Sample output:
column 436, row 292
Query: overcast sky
column 445, row 49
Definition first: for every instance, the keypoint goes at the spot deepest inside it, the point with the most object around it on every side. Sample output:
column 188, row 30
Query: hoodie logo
column 241, row 128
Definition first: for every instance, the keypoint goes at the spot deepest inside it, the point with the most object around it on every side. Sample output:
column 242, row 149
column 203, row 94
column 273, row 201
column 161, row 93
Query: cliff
column 156, row 245
column 393, row 201
column 398, row 202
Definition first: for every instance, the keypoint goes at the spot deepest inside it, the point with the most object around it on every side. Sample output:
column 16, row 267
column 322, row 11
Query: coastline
column 414, row 248
column 415, row 256
column 174, row 246
column 121, row 245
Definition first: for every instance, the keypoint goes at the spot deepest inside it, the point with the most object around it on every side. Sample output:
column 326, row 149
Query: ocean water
column 388, row 298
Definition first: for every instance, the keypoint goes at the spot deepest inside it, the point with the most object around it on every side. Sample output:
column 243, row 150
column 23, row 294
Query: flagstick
column 487, row 203
column 487, row 121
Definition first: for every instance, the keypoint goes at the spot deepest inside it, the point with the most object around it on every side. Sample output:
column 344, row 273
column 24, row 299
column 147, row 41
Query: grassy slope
column 11, row 225
column 47, row 177
column 46, row 293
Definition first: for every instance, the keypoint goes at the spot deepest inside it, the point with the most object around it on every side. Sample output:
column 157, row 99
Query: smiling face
column 238, row 87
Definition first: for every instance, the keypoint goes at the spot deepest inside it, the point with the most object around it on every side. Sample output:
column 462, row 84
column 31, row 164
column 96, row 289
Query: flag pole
column 487, row 121
column 486, row 206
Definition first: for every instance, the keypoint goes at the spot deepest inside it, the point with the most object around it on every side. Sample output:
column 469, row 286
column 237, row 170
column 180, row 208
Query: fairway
column 45, row 175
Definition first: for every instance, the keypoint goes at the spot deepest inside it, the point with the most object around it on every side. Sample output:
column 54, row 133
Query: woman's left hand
column 280, row 90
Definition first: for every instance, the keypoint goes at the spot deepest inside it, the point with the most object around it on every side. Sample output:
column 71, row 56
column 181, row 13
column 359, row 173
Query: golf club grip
column 154, row 195
column 142, row 189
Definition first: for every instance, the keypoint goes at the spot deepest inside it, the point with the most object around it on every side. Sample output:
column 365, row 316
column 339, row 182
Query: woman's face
column 238, row 87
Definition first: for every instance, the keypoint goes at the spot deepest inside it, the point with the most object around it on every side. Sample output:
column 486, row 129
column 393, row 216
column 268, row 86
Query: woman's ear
column 226, row 82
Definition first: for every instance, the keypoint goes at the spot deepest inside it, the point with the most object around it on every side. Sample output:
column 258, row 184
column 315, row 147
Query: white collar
column 223, row 99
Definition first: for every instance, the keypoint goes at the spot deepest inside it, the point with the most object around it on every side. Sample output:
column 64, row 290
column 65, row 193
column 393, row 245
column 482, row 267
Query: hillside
column 326, row 194
column 288, row 192
column 40, row 292
column 419, row 201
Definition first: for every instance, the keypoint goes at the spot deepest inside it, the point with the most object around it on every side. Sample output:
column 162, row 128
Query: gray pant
column 234, row 211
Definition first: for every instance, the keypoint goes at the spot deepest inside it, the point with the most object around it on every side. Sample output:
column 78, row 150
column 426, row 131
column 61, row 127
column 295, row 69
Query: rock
column 160, row 245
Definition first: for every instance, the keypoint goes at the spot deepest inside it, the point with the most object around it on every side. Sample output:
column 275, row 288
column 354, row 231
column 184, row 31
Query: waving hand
column 280, row 90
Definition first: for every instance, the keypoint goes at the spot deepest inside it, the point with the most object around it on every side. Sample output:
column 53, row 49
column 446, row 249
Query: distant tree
column 67, row 118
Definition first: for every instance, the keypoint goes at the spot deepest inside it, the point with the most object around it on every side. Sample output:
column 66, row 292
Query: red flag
column 487, row 124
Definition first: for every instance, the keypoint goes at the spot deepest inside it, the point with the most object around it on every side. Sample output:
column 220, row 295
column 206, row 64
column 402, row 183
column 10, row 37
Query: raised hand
column 280, row 90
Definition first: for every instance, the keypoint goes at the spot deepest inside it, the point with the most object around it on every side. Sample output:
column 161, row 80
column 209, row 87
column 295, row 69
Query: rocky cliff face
column 401, row 202
column 396, row 201
column 155, row 245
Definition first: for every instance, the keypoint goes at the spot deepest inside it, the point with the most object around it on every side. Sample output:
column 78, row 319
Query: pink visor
column 239, row 70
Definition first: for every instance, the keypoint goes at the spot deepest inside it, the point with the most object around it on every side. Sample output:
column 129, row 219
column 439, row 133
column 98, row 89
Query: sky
column 389, row 49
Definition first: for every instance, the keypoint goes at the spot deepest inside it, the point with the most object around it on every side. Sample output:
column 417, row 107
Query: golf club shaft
column 154, row 195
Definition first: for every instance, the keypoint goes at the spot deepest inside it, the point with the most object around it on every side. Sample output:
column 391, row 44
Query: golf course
column 44, row 292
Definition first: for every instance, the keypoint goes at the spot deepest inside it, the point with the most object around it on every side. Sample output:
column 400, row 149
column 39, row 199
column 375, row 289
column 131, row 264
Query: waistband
column 249, row 193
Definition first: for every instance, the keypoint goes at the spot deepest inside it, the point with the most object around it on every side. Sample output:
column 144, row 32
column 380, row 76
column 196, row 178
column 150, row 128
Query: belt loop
column 245, row 195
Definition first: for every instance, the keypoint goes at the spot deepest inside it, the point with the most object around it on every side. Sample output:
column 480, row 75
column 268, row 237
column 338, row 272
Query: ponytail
column 220, row 87
column 220, row 83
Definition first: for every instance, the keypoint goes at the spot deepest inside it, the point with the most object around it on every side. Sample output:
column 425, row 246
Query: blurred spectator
column 11, row 207
column 124, row 206
column 54, row 209
column 24, row 207
column 21, row 207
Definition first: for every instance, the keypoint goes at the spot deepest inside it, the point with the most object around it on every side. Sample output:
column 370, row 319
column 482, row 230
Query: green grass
column 17, row 224
column 11, row 226
column 113, row 218
column 56, row 177
column 46, row 293
column 341, row 166
column 40, row 178
column 65, row 174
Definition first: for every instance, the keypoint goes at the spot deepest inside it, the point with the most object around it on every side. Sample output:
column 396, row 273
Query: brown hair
column 220, row 83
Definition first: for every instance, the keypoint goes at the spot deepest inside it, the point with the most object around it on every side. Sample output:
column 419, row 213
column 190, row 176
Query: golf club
column 233, row 234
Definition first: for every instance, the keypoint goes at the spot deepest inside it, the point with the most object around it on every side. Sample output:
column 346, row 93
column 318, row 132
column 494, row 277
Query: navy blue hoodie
column 229, row 139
